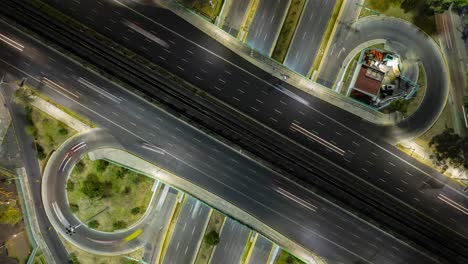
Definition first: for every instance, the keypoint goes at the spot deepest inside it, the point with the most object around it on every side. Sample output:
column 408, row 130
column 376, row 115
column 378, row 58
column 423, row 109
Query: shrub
column 63, row 131
column 127, row 190
column 70, row 186
column 119, row 225
column 136, row 210
column 93, row 224
column 79, row 167
column 74, row 208
column 40, row 152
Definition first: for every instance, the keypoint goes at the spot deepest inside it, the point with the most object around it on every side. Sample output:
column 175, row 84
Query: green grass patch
column 287, row 30
column 349, row 74
column 204, row 7
column 327, row 35
column 96, row 185
column 84, row 257
column 414, row 11
column 418, row 97
column 286, row 258
column 445, row 120
column 214, row 224
column 48, row 132
column 39, row 258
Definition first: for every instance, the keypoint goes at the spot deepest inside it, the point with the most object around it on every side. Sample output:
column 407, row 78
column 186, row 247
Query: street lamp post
column 71, row 229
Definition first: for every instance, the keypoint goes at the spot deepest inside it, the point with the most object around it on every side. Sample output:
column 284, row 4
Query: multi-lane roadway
column 294, row 211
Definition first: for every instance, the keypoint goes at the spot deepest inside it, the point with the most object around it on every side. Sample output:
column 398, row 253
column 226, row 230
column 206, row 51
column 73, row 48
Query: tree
column 72, row 259
column 119, row 225
column 40, row 152
column 22, row 96
column 448, row 148
column 93, row 188
column 439, row 6
column 63, row 131
column 101, row 165
column 212, row 238
column 290, row 259
column 93, row 224
column 9, row 214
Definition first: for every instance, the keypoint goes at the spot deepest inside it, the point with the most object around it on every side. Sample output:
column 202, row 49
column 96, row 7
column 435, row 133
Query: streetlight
column 70, row 230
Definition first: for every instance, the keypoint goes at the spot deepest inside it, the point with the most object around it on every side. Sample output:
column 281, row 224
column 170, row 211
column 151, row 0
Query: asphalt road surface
column 311, row 221
column 232, row 241
column 308, row 35
column 261, row 250
column 189, row 230
column 340, row 138
column 235, row 16
column 29, row 156
column 266, row 25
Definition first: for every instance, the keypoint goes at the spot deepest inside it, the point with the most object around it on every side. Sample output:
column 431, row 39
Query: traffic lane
column 266, row 25
column 157, row 227
column 232, row 241
column 31, row 166
column 117, row 127
column 308, row 35
column 188, row 232
column 235, row 16
column 349, row 15
column 261, row 251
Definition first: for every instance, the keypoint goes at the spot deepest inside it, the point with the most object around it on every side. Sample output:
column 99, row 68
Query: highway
column 307, row 218
column 266, row 25
column 189, row 230
column 261, row 250
column 333, row 138
column 232, row 240
column 308, row 35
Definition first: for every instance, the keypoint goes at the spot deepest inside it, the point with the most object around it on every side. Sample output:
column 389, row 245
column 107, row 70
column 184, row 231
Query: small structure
column 377, row 80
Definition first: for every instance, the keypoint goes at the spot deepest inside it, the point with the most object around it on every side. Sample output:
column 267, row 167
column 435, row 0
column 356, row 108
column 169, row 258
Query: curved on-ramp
column 418, row 45
column 56, row 205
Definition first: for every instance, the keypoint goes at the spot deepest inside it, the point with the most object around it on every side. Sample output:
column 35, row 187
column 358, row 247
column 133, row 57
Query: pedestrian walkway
column 276, row 69
column 5, row 119
column 423, row 155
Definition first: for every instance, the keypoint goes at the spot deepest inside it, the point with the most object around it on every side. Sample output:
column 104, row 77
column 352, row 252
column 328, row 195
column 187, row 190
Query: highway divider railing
column 236, row 129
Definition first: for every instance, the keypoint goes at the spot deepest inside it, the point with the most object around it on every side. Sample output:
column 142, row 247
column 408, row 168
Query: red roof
column 369, row 80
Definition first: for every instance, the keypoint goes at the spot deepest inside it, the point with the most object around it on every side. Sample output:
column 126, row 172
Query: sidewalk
column 274, row 68
column 423, row 155
column 5, row 119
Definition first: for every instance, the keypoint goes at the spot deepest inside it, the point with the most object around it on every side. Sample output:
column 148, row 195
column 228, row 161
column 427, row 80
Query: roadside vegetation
column 123, row 195
column 207, row 8
column 48, row 132
column 327, row 35
column 78, row 256
column 418, row 12
column 211, row 237
column 288, row 29
column 286, row 258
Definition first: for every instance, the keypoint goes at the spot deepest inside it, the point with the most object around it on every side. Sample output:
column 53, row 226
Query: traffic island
column 96, row 185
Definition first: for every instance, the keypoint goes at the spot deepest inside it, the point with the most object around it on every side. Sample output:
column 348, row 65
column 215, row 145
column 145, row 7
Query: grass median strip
column 287, row 30
column 327, row 36
column 208, row 9
column 96, row 185
column 215, row 223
